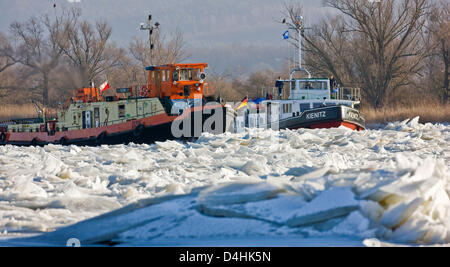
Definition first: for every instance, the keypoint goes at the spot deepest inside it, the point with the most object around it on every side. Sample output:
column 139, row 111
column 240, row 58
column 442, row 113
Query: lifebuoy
column 3, row 137
column 138, row 130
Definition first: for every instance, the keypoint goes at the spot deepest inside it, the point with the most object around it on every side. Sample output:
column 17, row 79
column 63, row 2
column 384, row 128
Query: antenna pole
column 299, row 29
column 299, row 49
column 150, row 29
column 150, row 38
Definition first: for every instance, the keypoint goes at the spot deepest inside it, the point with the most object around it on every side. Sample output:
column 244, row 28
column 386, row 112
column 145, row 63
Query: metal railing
column 347, row 93
column 111, row 122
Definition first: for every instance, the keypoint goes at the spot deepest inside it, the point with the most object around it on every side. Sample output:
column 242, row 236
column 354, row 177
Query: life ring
column 3, row 137
column 100, row 138
column 138, row 130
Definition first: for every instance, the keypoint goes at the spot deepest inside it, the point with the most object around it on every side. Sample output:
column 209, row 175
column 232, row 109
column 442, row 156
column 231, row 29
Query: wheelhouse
column 310, row 88
column 177, row 81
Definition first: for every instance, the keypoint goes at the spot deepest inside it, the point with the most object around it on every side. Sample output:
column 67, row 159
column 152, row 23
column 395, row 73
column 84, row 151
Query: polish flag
column 104, row 87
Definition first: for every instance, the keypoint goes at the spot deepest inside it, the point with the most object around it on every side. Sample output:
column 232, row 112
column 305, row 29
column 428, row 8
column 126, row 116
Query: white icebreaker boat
column 311, row 103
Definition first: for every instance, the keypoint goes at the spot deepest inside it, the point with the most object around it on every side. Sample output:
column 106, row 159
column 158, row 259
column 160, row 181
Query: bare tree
column 439, row 48
column 376, row 44
column 140, row 52
column 86, row 46
column 6, row 62
column 165, row 52
column 6, row 52
column 171, row 51
column 37, row 48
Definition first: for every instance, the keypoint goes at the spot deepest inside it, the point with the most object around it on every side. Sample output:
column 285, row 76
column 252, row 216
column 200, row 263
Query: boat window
column 185, row 74
column 121, row 111
column 163, row 76
column 313, row 85
column 188, row 74
column 304, row 107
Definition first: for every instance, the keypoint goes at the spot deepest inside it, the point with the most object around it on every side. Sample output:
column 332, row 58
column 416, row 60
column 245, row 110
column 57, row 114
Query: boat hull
column 145, row 130
column 324, row 117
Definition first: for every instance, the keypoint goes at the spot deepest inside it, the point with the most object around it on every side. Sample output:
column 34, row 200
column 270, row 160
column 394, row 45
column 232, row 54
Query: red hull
column 20, row 137
column 336, row 124
column 97, row 134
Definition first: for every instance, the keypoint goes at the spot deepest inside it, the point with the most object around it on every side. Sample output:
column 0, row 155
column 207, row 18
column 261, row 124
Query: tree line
column 396, row 51
column 45, row 58
column 392, row 49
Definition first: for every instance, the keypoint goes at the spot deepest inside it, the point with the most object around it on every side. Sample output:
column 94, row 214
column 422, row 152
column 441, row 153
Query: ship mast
column 299, row 28
column 149, row 27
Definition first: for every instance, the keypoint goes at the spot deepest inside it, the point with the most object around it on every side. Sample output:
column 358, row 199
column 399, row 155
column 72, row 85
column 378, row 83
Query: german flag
column 243, row 103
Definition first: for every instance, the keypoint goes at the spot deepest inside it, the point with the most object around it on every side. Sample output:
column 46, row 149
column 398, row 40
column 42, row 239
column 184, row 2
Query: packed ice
column 379, row 187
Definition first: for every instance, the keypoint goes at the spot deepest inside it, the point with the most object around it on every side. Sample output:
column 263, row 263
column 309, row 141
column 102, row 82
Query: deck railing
column 347, row 93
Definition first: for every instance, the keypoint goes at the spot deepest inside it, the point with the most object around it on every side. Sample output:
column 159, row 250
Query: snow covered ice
column 259, row 187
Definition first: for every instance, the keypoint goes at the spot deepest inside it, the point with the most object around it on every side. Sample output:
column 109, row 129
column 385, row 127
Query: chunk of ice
column 329, row 204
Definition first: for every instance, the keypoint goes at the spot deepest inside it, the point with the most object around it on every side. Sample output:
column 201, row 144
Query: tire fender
column 2, row 137
column 100, row 138
column 138, row 130
column 63, row 141
column 34, row 142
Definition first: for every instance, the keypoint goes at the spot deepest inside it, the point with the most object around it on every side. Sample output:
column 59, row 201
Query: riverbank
column 427, row 113
column 9, row 111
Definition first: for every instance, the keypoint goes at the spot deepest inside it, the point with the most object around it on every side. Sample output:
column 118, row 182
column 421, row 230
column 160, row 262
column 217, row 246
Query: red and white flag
column 104, row 87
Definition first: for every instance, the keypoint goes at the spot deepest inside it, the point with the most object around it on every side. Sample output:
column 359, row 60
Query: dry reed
column 9, row 111
column 427, row 113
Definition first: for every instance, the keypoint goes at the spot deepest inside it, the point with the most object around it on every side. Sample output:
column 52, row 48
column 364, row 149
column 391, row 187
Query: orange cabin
column 90, row 94
column 177, row 81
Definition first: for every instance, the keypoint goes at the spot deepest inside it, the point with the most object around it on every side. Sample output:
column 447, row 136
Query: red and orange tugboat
column 172, row 105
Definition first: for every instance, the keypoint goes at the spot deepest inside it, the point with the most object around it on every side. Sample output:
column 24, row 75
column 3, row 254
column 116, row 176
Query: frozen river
column 258, row 188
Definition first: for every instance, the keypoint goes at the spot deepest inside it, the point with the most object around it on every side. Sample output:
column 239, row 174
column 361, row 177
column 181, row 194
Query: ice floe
column 383, row 187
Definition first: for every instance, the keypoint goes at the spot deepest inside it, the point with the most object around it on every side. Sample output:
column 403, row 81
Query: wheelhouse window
column 188, row 74
column 313, row 85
